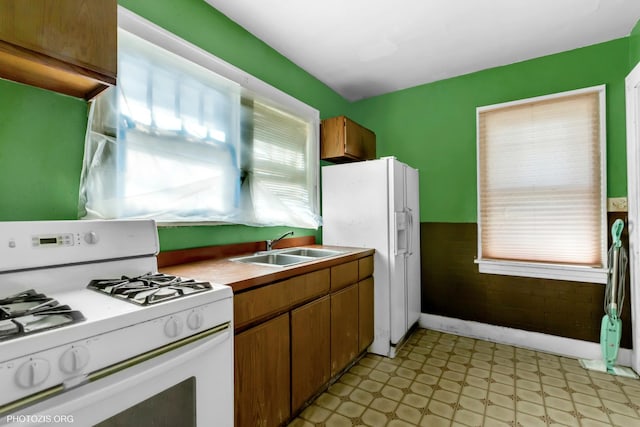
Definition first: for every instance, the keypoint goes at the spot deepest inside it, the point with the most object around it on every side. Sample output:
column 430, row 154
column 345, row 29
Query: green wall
column 41, row 148
column 202, row 25
column 634, row 46
column 433, row 127
column 42, row 132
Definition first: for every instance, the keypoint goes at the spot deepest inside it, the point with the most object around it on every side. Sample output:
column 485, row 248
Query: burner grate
column 150, row 288
column 28, row 312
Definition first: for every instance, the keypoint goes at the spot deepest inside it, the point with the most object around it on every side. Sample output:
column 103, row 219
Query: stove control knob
column 32, row 373
column 173, row 327
column 195, row 320
column 74, row 360
column 91, row 237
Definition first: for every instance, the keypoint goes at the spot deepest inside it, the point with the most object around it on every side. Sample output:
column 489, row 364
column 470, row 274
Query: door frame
column 632, row 95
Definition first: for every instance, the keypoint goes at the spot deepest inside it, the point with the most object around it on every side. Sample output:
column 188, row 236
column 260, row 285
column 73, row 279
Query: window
column 185, row 137
column 541, row 187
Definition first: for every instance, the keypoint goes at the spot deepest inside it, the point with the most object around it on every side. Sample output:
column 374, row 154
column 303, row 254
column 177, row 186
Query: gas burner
column 28, row 312
column 150, row 288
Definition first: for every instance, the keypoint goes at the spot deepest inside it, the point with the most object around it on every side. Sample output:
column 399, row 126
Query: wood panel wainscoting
column 452, row 287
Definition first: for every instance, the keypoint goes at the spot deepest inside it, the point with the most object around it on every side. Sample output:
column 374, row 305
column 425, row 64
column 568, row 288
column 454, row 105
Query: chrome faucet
column 270, row 243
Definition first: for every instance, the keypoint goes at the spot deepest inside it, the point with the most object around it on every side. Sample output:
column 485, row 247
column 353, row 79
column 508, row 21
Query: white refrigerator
column 375, row 204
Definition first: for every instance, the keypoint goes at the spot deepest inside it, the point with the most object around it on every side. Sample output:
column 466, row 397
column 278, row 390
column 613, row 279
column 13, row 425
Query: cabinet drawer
column 258, row 304
column 343, row 275
column 365, row 267
column 309, row 286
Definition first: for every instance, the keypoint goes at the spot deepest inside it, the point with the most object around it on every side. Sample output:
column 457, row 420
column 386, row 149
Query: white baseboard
column 553, row 344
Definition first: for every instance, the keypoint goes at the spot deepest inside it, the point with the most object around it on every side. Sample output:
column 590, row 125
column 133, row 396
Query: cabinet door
column 343, row 140
column 310, row 350
column 344, row 327
column 332, row 138
column 360, row 141
column 80, row 32
column 262, row 374
column 365, row 313
column 67, row 46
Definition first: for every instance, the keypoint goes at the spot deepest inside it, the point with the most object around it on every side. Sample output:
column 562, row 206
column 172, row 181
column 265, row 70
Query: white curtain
column 172, row 142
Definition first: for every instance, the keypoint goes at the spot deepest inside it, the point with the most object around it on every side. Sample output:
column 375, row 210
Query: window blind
column 541, row 181
column 281, row 175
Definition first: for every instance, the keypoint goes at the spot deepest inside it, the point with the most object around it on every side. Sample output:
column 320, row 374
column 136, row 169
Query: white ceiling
column 363, row 48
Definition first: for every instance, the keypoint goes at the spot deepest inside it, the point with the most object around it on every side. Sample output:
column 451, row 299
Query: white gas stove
column 89, row 330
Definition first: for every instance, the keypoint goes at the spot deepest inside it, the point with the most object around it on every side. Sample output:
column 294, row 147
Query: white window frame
column 540, row 269
column 258, row 89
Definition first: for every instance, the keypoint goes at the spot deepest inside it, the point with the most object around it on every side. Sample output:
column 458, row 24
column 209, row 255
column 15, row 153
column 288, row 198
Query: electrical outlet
column 617, row 204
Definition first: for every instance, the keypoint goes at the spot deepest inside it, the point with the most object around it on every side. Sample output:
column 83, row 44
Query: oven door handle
column 92, row 392
column 110, row 370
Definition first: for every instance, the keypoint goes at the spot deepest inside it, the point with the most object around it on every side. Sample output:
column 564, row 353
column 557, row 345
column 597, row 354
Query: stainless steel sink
column 311, row 252
column 286, row 257
column 272, row 259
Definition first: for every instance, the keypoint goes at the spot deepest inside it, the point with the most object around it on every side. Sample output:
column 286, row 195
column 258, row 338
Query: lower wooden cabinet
column 310, row 350
column 344, row 327
column 262, row 374
column 365, row 313
column 294, row 335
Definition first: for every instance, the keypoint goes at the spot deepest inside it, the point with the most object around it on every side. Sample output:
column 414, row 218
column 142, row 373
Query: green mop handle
column 616, row 232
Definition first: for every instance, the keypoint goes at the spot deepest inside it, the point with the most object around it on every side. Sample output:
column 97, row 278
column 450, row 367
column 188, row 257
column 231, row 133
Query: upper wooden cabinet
column 342, row 140
column 66, row 46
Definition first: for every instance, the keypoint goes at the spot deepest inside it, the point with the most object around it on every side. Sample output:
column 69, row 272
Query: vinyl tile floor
column 439, row 379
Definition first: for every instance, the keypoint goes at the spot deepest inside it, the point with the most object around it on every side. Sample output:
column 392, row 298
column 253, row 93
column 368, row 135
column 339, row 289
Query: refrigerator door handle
column 409, row 232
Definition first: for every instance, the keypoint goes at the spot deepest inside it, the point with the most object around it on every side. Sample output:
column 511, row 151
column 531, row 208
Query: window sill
column 544, row 271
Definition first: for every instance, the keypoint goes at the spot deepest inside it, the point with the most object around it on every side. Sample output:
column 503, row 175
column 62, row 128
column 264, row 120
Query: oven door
column 187, row 383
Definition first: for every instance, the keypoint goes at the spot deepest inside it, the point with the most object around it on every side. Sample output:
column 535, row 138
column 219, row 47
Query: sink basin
column 310, row 252
column 272, row 259
column 286, row 257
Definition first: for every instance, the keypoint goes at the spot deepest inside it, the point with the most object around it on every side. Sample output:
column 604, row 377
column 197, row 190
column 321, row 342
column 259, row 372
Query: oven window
column 175, row 406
